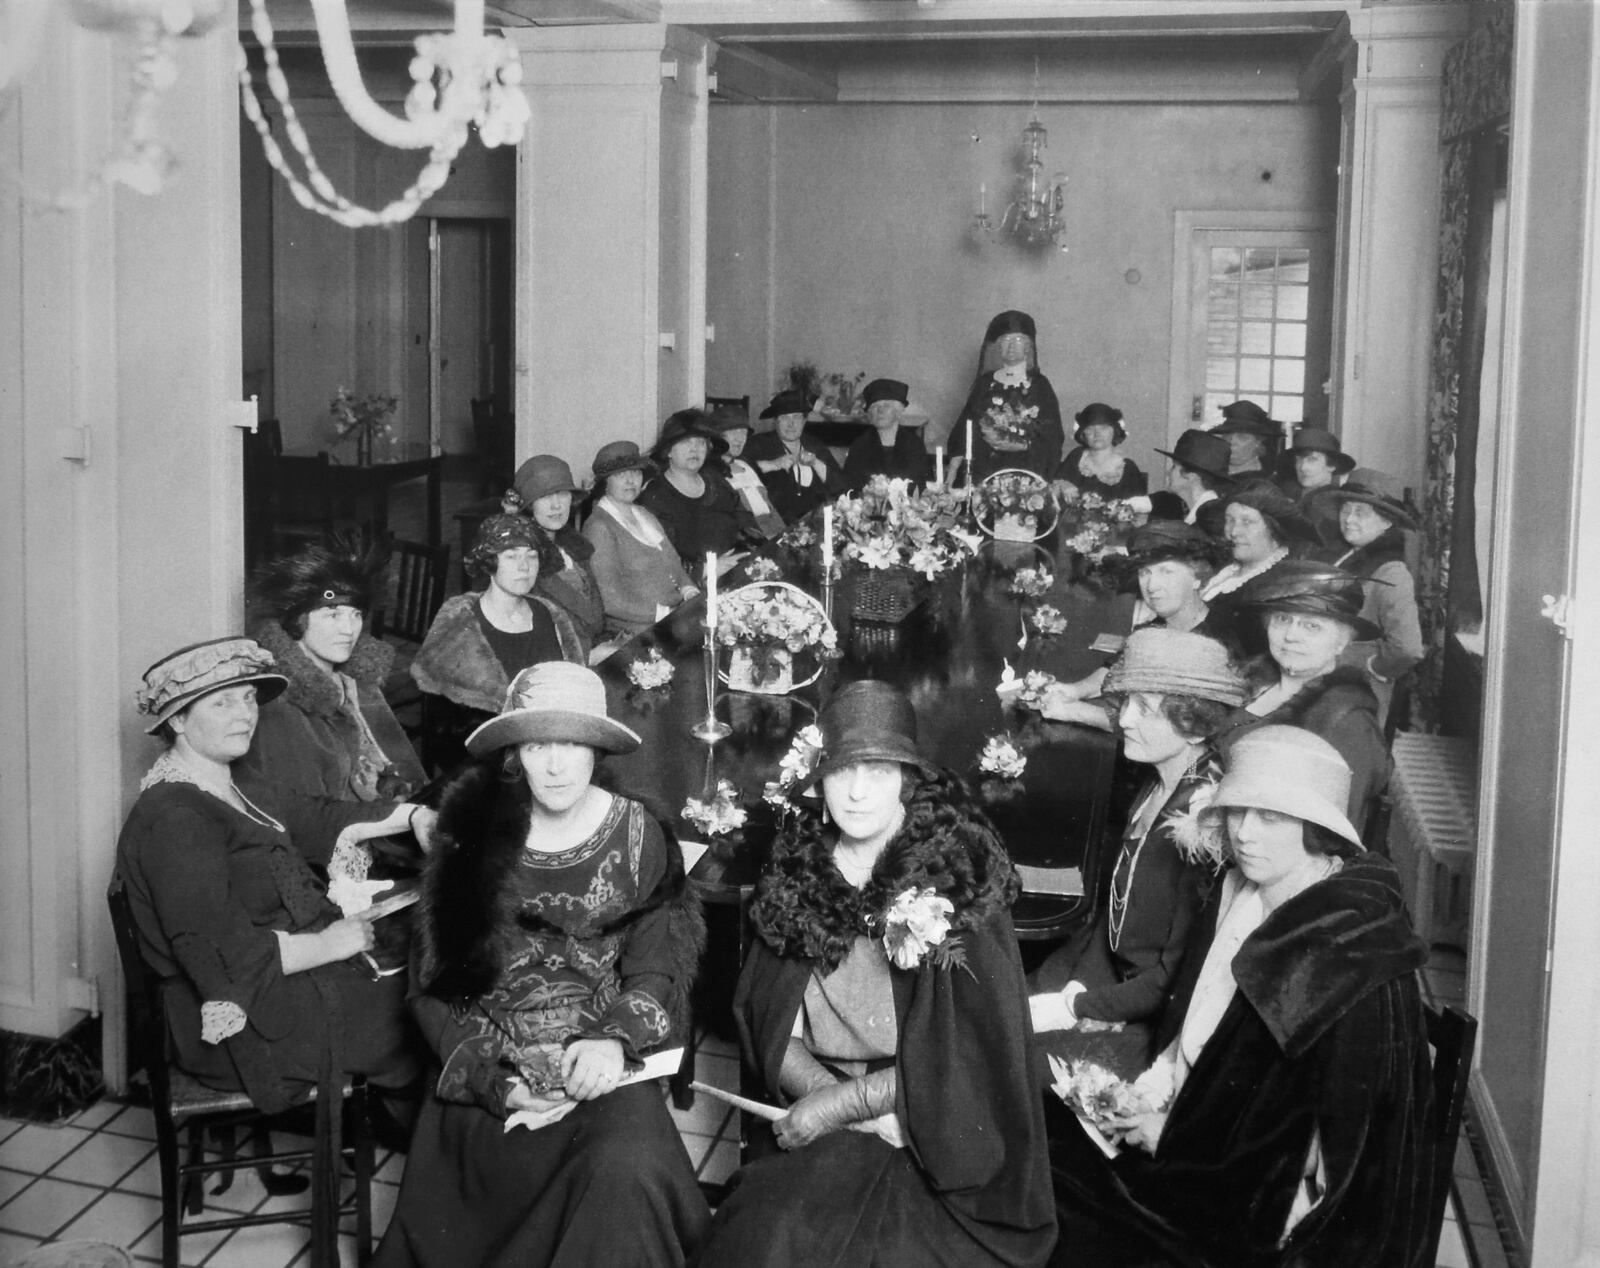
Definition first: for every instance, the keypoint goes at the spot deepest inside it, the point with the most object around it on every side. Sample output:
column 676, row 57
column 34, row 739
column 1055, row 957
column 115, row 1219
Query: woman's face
column 736, row 438
column 516, row 571
column 1313, row 469
column 558, row 773
column 885, row 414
column 1268, row 846
column 789, row 428
column 1147, row 733
column 1167, row 586
column 552, row 511
column 219, row 726
column 624, row 486
column 1360, row 524
column 331, row 633
column 1305, row 645
column 689, row 454
column 1099, row 437
column 1012, row 348
column 1246, row 530
column 864, row 798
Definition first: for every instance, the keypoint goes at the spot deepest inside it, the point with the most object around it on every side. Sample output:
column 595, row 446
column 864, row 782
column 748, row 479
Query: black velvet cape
column 1325, row 1034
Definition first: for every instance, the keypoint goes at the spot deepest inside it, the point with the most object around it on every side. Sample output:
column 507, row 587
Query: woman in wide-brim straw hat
column 1171, row 691
column 1289, row 1116
column 559, row 940
column 1311, row 615
column 271, row 992
column 882, row 1003
column 1014, row 415
column 640, row 575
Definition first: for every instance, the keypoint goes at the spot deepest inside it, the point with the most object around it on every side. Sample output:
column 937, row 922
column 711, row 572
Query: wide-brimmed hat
column 318, row 576
column 1011, row 322
column 868, row 721
column 1379, row 490
column 1202, row 451
column 1282, row 513
column 1175, row 663
column 1098, row 412
column 1318, row 440
column 1290, row 771
column 1301, row 585
column 1160, row 540
column 885, row 390
column 619, row 455
column 789, row 401
column 542, row 475
column 682, row 425
column 180, row 678
column 1248, row 418
column 554, row 702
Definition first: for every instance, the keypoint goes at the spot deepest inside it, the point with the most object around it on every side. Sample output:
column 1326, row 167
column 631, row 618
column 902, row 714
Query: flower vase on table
column 778, row 637
column 364, row 419
column 893, row 541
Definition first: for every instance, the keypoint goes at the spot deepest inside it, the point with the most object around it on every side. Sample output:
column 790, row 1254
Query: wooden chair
column 420, row 573
column 1452, row 1034
column 185, row 1109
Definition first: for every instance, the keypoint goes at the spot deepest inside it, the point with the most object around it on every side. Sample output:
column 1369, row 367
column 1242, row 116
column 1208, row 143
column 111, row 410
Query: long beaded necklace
column 1117, row 908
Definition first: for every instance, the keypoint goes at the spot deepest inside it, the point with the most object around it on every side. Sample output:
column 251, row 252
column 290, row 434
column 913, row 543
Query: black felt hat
column 789, row 401
column 868, row 721
column 1301, row 585
column 1248, row 418
column 1282, row 513
column 885, row 390
column 1201, row 451
column 682, row 425
column 1097, row 412
column 1318, row 440
column 1161, row 540
column 1379, row 490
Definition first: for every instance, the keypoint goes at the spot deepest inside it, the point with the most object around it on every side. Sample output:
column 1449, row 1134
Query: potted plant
column 363, row 417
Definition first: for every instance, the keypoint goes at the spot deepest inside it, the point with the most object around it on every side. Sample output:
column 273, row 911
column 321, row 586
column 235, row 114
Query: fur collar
column 1365, row 560
column 314, row 692
column 1345, row 686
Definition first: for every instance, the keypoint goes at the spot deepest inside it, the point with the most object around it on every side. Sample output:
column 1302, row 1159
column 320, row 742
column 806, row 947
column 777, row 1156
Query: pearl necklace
column 1117, row 906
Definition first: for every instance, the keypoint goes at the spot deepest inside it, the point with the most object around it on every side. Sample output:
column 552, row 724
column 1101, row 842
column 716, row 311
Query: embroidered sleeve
column 220, row 1019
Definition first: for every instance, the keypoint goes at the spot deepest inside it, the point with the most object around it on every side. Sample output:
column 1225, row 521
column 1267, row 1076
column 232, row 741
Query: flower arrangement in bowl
column 776, row 632
column 1090, row 524
column 1015, row 506
column 366, row 418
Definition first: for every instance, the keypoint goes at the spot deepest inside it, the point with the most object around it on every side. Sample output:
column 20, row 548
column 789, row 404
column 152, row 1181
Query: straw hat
column 1290, row 771
column 868, row 721
column 180, row 678
column 1175, row 663
column 554, row 702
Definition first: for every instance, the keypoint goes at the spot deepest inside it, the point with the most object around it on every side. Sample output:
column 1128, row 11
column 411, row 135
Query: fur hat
column 318, row 576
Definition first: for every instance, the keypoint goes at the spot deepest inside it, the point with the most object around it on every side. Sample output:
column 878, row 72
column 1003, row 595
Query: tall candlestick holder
column 712, row 728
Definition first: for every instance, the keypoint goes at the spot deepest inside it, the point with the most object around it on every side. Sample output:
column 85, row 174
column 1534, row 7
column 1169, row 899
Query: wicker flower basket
column 883, row 594
column 769, row 671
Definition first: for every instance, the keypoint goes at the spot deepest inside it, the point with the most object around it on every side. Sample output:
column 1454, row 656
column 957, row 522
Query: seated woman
column 742, row 478
column 700, row 513
column 639, row 573
column 1289, row 1118
column 559, row 940
column 480, row 641
column 1014, row 417
column 1174, row 691
column 882, row 1002
column 271, row 992
column 1262, row 527
column 1319, row 460
column 1372, row 513
column 1170, row 562
column 331, row 734
column 1096, row 466
column 543, row 488
column 893, row 447
column 800, row 473
column 1312, row 613
column 1252, row 437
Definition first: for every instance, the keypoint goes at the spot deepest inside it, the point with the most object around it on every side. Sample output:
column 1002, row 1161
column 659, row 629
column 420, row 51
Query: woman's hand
column 592, row 1067
column 812, row 1117
column 424, row 819
column 345, row 938
column 1143, row 1130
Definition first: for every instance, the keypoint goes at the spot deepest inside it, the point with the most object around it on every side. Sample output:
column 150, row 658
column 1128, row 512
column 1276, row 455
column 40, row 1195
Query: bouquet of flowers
column 887, row 525
column 718, row 814
column 1016, row 506
column 651, row 670
column 767, row 624
column 1048, row 620
column 1091, row 523
column 1032, row 583
column 917, row 925
column 1001, row 757
column 1098, row 1095
column 365, row 417
column 1008, row 426
column 794, row 768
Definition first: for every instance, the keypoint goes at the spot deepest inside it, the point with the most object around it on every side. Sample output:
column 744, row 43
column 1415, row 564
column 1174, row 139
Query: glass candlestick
column 711, row 729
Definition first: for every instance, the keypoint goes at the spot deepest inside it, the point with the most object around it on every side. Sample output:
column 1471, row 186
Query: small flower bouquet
column 1015, row 506
column 1001, row 757
column 1032, row 583
column 367, row 418
column 650, row 671
column 1027, row 690
column 767, row 625
column 1047, row 619
column 794, row 768
column 1008, row 426
column 720, row 814
column 1102, row 1099
column 1092, row 523
column 761, row 569
column 917, row 926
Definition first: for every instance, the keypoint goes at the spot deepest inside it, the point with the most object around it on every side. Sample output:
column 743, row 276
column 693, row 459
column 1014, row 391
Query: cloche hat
column 619, row 455
column 868, row 721
column 542, row 475
column 180, row 678
column 554, row 701
column 1291, row 771
column 1098, row 412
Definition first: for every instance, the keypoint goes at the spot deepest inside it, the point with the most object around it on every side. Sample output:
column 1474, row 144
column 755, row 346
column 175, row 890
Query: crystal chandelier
column 1035, row 216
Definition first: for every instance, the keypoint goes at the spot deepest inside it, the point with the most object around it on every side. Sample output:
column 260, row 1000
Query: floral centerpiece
column 1015, row 506
column 767, row 625
column 1090, row 523
column 890, row 534
column 364, row 417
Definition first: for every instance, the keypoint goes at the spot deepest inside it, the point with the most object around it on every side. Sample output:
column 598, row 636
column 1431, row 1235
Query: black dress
column 710, row 523
column 1029, row 412
column 1131, row 483
column 907, row 459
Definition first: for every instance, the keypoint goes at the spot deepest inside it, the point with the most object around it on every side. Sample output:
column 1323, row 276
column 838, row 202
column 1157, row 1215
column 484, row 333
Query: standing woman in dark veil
column 1015, row 417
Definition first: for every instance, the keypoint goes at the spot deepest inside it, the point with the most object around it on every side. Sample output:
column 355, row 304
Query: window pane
column 1225, row 262
column 1288, row 409
column 1288, row 375
column 1214, row 403
column 1289, row 339
column 1260, row 263
column 1292, row 303
column 1222, row 302
column 1255, row 338
column 1220, row 375
column 1255, row 302
column 1255, row 374
column 1222, row 338
column 1294, row 265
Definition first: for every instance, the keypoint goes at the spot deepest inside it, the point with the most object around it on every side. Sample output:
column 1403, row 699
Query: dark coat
column 1043, row 453
column 714, row 522
column 1324, row 1038
column 576, row 589
column 1132, row 484
column 907, row 458
column 789, row 499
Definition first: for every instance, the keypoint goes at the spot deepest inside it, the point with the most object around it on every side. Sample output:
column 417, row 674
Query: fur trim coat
column 456, row 661
column 309, row 741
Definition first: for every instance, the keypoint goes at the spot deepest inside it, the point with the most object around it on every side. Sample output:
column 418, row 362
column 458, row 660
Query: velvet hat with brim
column 681, row 426
column 1282, row 513
column 1317, row 440
column 1379, row 490
column 1301, row 585
column 180, row 678
column 1172, row 662
column 1249, row 418
column 619, row 455
column 554, row 702
column 868, row 721
column 1094, row 413
column 1202, row 451
column 1162, row 541
column 1289, row 771
column 789, row 401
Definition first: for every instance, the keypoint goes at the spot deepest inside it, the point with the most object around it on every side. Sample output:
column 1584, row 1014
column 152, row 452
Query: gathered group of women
column 1248, row 973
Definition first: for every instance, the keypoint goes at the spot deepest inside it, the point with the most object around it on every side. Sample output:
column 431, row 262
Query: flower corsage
column 1048, row 620
column 719, row 814
column 794, row 768
column 651, row 670
column 1001, row 757
column 917, row 927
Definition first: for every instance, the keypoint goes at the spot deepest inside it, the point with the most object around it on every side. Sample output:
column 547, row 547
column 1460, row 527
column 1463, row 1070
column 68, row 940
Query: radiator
column 1433, row 832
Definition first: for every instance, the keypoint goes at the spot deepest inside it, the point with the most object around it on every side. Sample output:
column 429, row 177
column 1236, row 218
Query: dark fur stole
column 1364, row 561
column 1347, row 686
column 314, row 692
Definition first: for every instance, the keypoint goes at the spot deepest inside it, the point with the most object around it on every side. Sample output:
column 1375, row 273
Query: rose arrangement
column 719, row 814
column 1019, row 497
column 1090, row 523
column 888, row 525
column 771, row 622
column 917, row 926
column 651, row 670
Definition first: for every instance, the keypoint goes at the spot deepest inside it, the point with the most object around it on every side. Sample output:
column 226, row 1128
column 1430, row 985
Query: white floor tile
column 37, row 1148
column 192, row 1251
column 145, row 1178
column 13, row 1183
column 103, row 1159
column 14, row 1246
column 119, row 1218
column 44, row 1206
column 392, row 1170
column 98, row 1114
column 722, row 1072
column 271, row 1246
column 135, row 1120
column 384, row 1198
column 720, row 1163
column 704, row 1118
